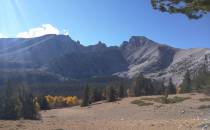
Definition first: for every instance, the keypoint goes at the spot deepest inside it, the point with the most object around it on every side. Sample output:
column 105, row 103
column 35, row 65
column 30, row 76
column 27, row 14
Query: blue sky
column 109, row 21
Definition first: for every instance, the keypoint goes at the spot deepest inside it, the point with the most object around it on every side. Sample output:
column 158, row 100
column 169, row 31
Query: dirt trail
column 121, row 115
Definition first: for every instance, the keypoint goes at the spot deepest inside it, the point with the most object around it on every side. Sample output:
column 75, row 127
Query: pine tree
column 149, row 88
column 200, row 82
column 18, row 103
column 186, row 85
column 171, row 87
column 86, row 97
column 121, row 91
column 138, row 87
column 44, row 105
column 193, row 9
column 96, row 95
column 12, row 106
column 104, row 93
column 30, row 109
column 166, row 91
column 142, row 86
column 111, row 94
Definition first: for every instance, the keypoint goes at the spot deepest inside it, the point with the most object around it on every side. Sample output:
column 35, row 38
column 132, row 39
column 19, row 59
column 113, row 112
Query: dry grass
column 204, row 99
column 157, row 99
column 175, row 99
column 141, row 103
column 204, row 107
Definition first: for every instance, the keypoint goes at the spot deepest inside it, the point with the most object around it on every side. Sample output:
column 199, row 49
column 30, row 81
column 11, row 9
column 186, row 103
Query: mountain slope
column 65, row 58
column 146, row 56
column 35, row 52
column 102, row 62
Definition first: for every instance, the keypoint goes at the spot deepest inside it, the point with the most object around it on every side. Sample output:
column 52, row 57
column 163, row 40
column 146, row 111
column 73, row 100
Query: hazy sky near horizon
column 109, row 21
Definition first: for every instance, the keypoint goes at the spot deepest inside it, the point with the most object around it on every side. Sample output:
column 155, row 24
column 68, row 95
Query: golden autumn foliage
column 61, row 101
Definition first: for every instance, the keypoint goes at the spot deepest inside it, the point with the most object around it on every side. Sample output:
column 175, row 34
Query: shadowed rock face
column 60, row 55
column 89, row 64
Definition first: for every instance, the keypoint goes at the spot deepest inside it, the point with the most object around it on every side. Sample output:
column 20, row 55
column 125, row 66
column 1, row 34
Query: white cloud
column 65, row 32
column 40, row 31
column 3, row 36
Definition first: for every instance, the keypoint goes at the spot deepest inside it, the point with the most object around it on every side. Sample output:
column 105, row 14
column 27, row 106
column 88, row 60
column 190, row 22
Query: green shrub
column 169, row 100
column 141, row 103
column 177, row 99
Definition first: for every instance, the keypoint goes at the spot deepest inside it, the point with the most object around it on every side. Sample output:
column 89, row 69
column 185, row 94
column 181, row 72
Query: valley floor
column 122, row 115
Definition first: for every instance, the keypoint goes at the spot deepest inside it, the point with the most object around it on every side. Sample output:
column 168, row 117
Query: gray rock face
column 146, row 56
column 160, row 61
column 101, row 62
column 66, row 58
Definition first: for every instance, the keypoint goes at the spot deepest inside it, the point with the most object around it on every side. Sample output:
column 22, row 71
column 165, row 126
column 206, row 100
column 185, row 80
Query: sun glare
column 12, row 15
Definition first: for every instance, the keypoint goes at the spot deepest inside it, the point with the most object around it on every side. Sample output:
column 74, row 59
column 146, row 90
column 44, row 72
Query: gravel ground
column 122, row 115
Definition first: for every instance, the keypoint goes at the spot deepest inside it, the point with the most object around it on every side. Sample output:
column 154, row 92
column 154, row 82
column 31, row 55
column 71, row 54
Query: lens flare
column 12, row 16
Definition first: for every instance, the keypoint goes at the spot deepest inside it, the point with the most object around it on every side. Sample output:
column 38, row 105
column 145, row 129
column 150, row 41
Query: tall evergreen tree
column 139, row 86
column 166, row 92
column 86, row 97
column 171, row 87
column 18, row 103
column 30, row 108
column 142, row 86
column 186, row 85
column 149, row 88
column 96, row 94
column 201, row 82
column 12, row 106
column 111, row 94
column 44, row 105
column 121, row 91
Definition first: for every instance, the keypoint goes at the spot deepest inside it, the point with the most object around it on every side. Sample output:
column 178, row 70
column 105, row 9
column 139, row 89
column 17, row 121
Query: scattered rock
column 205, row 127
column 183, row 111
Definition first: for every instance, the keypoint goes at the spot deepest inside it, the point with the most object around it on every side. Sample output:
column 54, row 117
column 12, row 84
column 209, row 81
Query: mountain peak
column 139, row 39
column 101, row 44
column 98, row 47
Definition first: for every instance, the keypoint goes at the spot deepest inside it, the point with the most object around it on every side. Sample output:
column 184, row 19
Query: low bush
column 177, row 99
column 204, row 107
column 141, row 103
column 204, row 99
column 169, row 100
